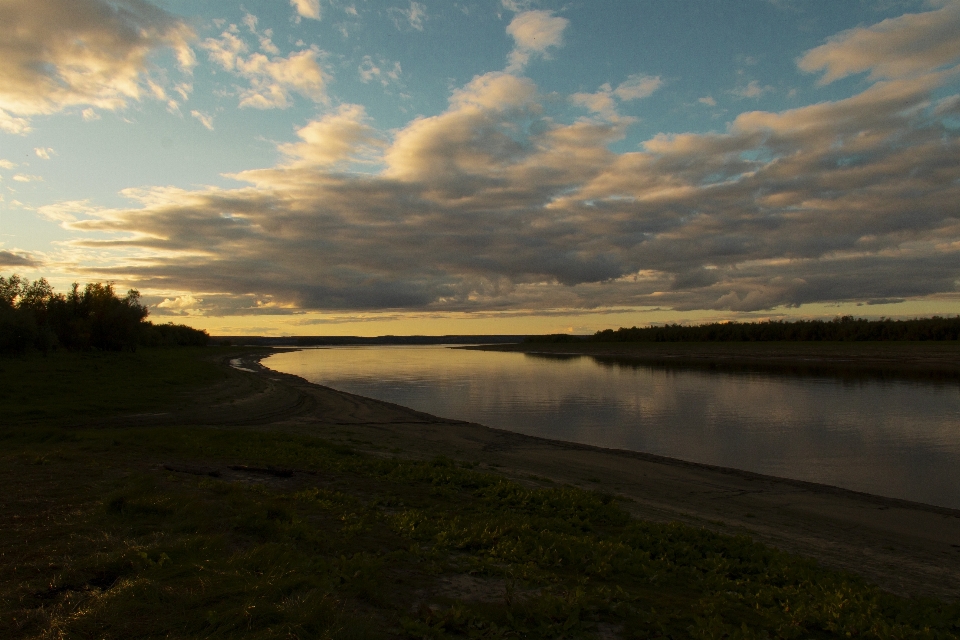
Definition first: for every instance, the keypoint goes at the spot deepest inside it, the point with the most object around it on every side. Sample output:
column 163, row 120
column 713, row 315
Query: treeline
column 843, row 329
column 33, row 316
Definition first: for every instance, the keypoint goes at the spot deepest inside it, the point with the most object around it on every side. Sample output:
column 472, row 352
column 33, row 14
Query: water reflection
column 898, row 438
column 863, row 370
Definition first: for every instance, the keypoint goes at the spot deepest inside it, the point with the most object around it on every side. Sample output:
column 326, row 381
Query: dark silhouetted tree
column 32, row 316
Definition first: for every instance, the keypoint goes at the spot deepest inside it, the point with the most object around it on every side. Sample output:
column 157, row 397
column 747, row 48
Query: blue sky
column 313, row 166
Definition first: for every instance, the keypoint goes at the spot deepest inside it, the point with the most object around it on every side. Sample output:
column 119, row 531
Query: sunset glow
column 359, row 168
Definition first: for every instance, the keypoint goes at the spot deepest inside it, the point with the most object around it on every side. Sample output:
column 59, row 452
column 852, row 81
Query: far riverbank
column 931, row 360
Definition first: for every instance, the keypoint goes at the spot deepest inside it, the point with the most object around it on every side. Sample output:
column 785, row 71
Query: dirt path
column 907, row 548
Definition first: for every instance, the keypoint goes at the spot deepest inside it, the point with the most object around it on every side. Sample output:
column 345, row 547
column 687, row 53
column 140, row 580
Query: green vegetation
column 843, row 329
column 71, row 386
column 111, row 544
column 184, row 531
column 32, row 316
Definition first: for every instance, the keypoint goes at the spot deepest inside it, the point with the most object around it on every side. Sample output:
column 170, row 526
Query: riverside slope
column 907, row 548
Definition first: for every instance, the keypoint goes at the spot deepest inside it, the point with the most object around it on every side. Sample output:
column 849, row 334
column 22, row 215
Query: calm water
column 898, row 439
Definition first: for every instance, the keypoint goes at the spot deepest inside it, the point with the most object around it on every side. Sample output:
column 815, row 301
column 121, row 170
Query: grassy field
column 73, row 387
column 188, row 531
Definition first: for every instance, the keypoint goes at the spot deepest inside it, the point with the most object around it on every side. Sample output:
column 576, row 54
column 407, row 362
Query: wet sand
column 907, row 548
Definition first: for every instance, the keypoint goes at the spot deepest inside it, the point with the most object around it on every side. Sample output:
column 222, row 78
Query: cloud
column 44, row 152
column 496, row 205
column 99, row 53
column 534, row 32
column 384, row 72
column 7, row 164
column 637, row 87
column 271, row 80
column 911, row 44
column 412, row 17
column 12, row 259
column 25, row 177
column 707, row 100
column 335, row 138
column 473, row 143
column 14, row 125
column 185, row 304
column 517, row 5
column 89, row 114
column 599, row 102
column 307, row 8
column 205, row 119
column 634, row 88
column 66, row 211
column 265, row 37
column 752, row 90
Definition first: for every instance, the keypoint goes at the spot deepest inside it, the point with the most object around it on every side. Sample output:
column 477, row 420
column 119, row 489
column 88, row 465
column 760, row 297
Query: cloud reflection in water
column 894, row 438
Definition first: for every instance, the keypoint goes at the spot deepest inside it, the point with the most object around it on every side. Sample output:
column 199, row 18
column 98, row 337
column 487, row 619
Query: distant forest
column 34, row 317
column 843, row 329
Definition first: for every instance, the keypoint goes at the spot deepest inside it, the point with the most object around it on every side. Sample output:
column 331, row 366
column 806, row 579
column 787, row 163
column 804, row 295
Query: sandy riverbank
column 907, row 548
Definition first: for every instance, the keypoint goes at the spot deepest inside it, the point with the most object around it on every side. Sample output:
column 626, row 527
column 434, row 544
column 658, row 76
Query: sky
column 329, row 167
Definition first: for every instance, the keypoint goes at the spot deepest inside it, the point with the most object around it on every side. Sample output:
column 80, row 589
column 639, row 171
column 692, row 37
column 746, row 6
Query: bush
column 172, row 335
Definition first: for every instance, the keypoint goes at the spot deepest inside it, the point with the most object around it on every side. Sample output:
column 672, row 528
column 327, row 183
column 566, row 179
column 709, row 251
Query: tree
column 18, row 330
column 95, row 317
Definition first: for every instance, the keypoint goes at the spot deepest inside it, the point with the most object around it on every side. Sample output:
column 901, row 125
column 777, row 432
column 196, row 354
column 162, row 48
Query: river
column 899, row 439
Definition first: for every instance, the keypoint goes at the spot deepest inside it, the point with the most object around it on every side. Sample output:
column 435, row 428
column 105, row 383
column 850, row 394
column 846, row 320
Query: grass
column 72, row 386
column 213, row 533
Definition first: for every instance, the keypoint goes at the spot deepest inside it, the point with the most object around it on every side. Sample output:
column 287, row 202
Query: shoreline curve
column 906, row 547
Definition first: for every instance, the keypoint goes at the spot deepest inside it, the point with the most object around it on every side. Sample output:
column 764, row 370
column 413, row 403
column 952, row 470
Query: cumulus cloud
column 271, row 80
column 64, row 53
column 477, row 144
column 44, row 152
column 307, row 8
column 910, row 44
column 637, row 87
column 185, row 304
column 344, row 135
column 602, row 101
column 495, row 205
column 534, row 34
column 26, row 177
